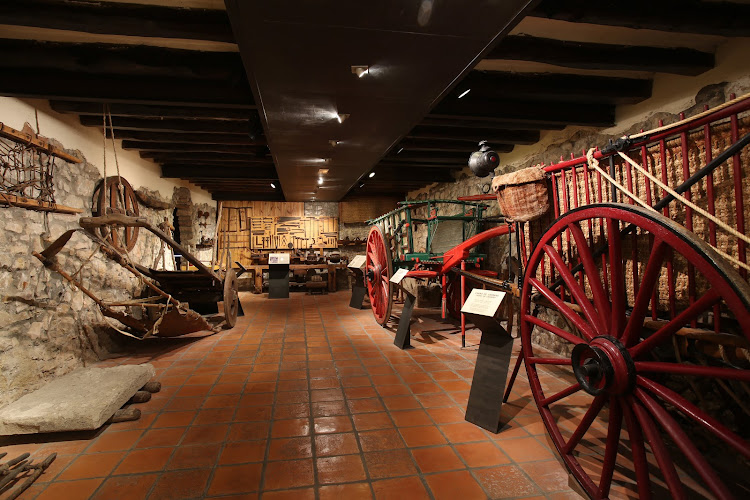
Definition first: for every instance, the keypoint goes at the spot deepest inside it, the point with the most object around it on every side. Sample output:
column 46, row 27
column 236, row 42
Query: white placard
column 357, row 262
column 399, row 275
column 483, row 302
column 278, row 258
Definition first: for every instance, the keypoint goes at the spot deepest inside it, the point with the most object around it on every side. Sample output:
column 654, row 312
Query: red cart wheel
column 120, row 200
column 378, row 272
column 625, row 412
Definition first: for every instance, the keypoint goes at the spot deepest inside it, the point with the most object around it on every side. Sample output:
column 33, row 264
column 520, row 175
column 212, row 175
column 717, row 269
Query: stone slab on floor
column 79, row 401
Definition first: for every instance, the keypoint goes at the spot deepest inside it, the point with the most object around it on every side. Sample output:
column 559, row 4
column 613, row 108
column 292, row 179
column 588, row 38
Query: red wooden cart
column 647, row 303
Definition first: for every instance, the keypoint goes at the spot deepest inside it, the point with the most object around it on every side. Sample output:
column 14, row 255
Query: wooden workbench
column 258, row 269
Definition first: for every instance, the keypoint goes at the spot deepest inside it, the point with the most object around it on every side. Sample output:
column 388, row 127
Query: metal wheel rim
column 378, row 264
column 640, row 406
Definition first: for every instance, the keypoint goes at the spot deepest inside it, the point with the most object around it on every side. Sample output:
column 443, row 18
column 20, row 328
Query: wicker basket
column 522, row 195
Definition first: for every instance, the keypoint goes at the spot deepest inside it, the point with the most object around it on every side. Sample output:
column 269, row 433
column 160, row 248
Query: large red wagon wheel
column 623, row 416
column 120, row 200
column 378, row 272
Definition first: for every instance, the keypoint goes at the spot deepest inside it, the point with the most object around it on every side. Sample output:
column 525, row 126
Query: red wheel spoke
column 566, row 311
column 638, row 448
column 693, row 311
column 601, row 302
column 696, row 414
column 583, row 427
column 617, row 279
column 683, row 441
column 576, row 291
column 695, row 370
column 613, row 443
column 645, row 292
column 666, row 465
column 560, row 395
column 553, row 329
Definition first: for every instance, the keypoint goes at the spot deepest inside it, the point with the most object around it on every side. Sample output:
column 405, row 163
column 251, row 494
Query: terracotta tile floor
column 307, row 398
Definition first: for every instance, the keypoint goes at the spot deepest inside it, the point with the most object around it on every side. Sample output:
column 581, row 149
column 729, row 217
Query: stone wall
column 48, row 327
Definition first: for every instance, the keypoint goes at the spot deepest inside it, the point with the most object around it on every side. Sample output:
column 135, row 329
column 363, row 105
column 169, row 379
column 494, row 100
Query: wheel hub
column 604, row 365
column 372, row 272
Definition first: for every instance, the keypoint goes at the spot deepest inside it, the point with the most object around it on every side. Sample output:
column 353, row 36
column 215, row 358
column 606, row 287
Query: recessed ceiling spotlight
column 464, row 93
column 273, row 185
column 399, row 151
column 360, row 71
column 342, row 116
column 334, row 142
column 320, row 181
column 372, row 174
column 322, row 171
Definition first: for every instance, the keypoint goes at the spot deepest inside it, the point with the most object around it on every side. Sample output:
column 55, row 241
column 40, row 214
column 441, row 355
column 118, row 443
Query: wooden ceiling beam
column 678, row 16
column 500, row 126
column 427, row 156
column 218, row 172
column 555, row 87
column 246, row 196
column 98, row 59
column 186, row 137
column 531, row 111
column 180, row 147
column 39, row 84
column 423, row 163
column 206, row 158
column 465, row 147
column 120, row 19
column 474, row 135
column 172, row 125
column 408, row 175
column 146, row 111
column 599, row 56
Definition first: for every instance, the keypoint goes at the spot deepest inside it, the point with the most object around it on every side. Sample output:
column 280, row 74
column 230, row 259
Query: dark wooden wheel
column 615, row 406
column 378, row 272
column 120, row 200
column 231, row 298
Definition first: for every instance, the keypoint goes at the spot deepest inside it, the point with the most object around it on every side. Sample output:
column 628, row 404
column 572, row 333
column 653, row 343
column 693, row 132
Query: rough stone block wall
column 47, row 327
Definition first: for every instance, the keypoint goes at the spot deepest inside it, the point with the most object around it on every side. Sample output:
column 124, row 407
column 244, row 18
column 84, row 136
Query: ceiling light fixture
column 322, row 171
column 362, row 185
column 342, row 116
column 334, row 142
column 320, row 181
column 360, row 71
column 464, row 93
column 399, row 151
column 372, row 174
column 273, row 185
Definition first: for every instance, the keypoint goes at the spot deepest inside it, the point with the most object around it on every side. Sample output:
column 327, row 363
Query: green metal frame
column 399, row 224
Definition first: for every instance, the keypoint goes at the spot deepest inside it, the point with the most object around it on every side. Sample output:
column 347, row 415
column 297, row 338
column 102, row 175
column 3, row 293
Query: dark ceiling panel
column 299, row 57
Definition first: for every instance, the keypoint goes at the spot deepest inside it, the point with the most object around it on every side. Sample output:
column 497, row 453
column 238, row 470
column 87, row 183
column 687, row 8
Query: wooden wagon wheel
column 231, row 298
column 120, row 200
column 622, row 414
column 378, row 272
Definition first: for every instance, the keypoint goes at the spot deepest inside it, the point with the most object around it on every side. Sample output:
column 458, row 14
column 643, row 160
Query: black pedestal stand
column 490, row 373
column 403, row 334
column 278, row 281
column 359, row 290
